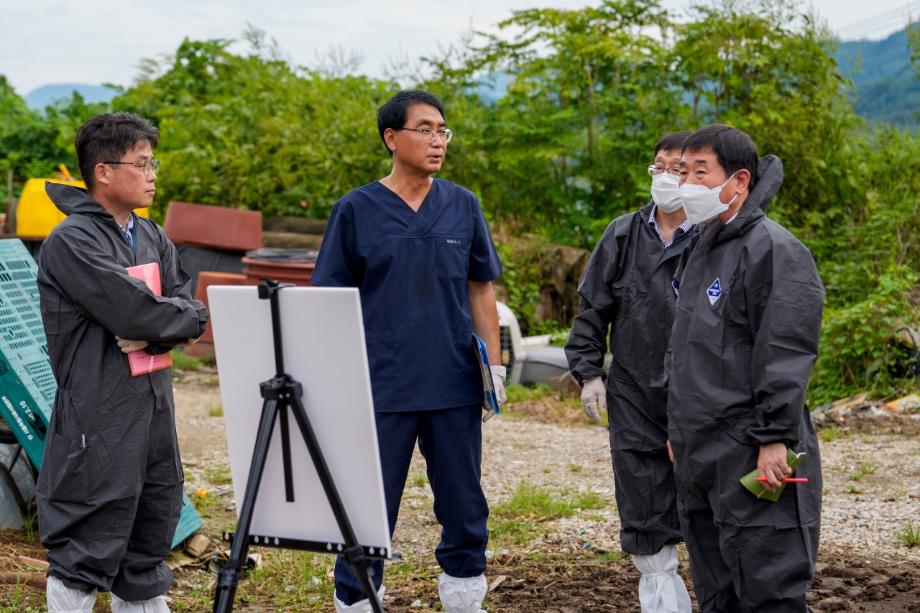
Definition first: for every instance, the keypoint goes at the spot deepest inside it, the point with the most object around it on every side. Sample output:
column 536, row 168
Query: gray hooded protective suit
column 109, row 491
column 744, row 341
column 626, row 291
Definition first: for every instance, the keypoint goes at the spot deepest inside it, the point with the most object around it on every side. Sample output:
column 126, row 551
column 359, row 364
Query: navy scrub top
column 412, row 270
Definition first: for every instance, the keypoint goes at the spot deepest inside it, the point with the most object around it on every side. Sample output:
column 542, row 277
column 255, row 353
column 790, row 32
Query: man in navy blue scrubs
column 420, row 251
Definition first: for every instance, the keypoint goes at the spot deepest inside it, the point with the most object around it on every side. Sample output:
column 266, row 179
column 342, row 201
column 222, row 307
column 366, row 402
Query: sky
column 95, row 41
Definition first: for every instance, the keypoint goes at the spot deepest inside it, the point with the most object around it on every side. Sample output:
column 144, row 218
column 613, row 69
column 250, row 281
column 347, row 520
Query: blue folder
column 490, row 400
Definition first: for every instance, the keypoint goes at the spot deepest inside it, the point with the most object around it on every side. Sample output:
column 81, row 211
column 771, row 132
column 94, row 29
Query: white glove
column 498, row 381
column 127, row 346
column 594, row 398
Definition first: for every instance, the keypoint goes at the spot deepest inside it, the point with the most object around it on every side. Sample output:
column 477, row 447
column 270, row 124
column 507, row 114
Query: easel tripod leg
column 354, row 553
column 229, row 576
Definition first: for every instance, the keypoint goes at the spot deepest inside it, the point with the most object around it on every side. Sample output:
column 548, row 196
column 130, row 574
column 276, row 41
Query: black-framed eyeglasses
column 147, row 166
column 445, row 133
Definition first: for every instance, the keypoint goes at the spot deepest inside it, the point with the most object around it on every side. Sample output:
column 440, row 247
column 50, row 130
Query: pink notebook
column 141, row 362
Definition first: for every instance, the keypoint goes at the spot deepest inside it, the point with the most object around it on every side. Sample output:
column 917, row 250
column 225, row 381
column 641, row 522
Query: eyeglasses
column 654, row 170
column 146, row 166
column 427, row 133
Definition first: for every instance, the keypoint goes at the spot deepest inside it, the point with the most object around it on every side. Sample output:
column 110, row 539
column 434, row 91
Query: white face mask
column 702, row 203
column 666, row 192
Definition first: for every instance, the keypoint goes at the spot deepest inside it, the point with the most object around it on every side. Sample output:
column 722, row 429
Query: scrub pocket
column 452, row 257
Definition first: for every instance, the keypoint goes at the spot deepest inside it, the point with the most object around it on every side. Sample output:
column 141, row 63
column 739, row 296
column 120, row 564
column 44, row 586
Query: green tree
column 765, row 67
column 589, row 92
column 254, row 132
column 33, row 143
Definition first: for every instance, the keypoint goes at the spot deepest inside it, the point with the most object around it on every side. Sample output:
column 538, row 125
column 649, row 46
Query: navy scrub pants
column 451, row 442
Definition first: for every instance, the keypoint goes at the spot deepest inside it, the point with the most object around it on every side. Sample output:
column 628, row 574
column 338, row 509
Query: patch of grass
column 417, row 580
column 575, row 468
column 528, row 500
column 199, row 598
column 419, row 479
column 289, row 581
column 204, row 504
column 188, row 363
column 863, row 470
column 588, row 501
column 521, row 520
column 513, row 531
column 531, row 502
column 22, row 599
column 611, row 556
column 520, row 393
column 831, row 434
column 218, row 475
column 216, row 410
column 852, row 489
column 909, row 535
column 31, row 523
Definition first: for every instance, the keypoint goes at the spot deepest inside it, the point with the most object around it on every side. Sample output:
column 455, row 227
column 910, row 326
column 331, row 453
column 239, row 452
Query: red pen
column 787, row 479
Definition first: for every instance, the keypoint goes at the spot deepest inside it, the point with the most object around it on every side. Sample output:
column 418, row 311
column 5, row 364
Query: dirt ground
column 566, row 564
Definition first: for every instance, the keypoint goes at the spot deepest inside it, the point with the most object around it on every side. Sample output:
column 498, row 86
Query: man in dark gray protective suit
column 626, row 292
column 109, row 491
column 744, row 341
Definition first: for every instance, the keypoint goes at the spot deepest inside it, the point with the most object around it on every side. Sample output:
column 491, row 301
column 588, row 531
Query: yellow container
column 36, row 215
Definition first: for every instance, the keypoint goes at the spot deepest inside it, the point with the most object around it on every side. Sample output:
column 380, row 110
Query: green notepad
column 757, row 488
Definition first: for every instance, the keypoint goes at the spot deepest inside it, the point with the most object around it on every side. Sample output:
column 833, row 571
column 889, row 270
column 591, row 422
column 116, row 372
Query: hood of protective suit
column 70, row 199
column 769, row 180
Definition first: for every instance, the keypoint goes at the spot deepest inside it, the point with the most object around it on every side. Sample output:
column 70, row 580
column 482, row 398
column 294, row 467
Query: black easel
column 279, row 394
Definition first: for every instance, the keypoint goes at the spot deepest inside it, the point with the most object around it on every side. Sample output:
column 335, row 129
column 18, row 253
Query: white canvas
column 323, row 345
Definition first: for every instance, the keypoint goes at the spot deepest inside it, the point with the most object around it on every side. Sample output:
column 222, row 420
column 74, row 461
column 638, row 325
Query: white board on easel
column 323, row 349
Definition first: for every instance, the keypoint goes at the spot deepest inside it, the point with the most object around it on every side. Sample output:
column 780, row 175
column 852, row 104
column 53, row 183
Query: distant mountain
column 46, row 94
column 887, row 87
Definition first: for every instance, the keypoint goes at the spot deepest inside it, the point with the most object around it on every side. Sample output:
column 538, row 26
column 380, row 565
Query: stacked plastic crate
column 27, row 384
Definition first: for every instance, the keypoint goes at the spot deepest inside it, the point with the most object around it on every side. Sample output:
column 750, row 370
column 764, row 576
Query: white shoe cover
column 362, row 606
column 153, row 605
column 462, row 595
column 661, row 589
column 63, row 599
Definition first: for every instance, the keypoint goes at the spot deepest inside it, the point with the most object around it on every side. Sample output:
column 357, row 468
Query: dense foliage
column 556, row 116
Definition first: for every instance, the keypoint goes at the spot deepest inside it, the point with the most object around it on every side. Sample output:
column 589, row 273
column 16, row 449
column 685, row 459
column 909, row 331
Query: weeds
column 863, row 470
column 909, row 535
column 218, row 475
column 521, row 393
column 829, row 435
column 518, row 519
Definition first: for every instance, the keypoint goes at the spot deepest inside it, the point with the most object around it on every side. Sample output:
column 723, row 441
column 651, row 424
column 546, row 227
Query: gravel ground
column 863, row 515
column 871, row 492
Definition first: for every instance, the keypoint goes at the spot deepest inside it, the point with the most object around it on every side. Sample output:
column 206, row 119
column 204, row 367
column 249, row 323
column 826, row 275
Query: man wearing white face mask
column 744, row 341
column 626, row 292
